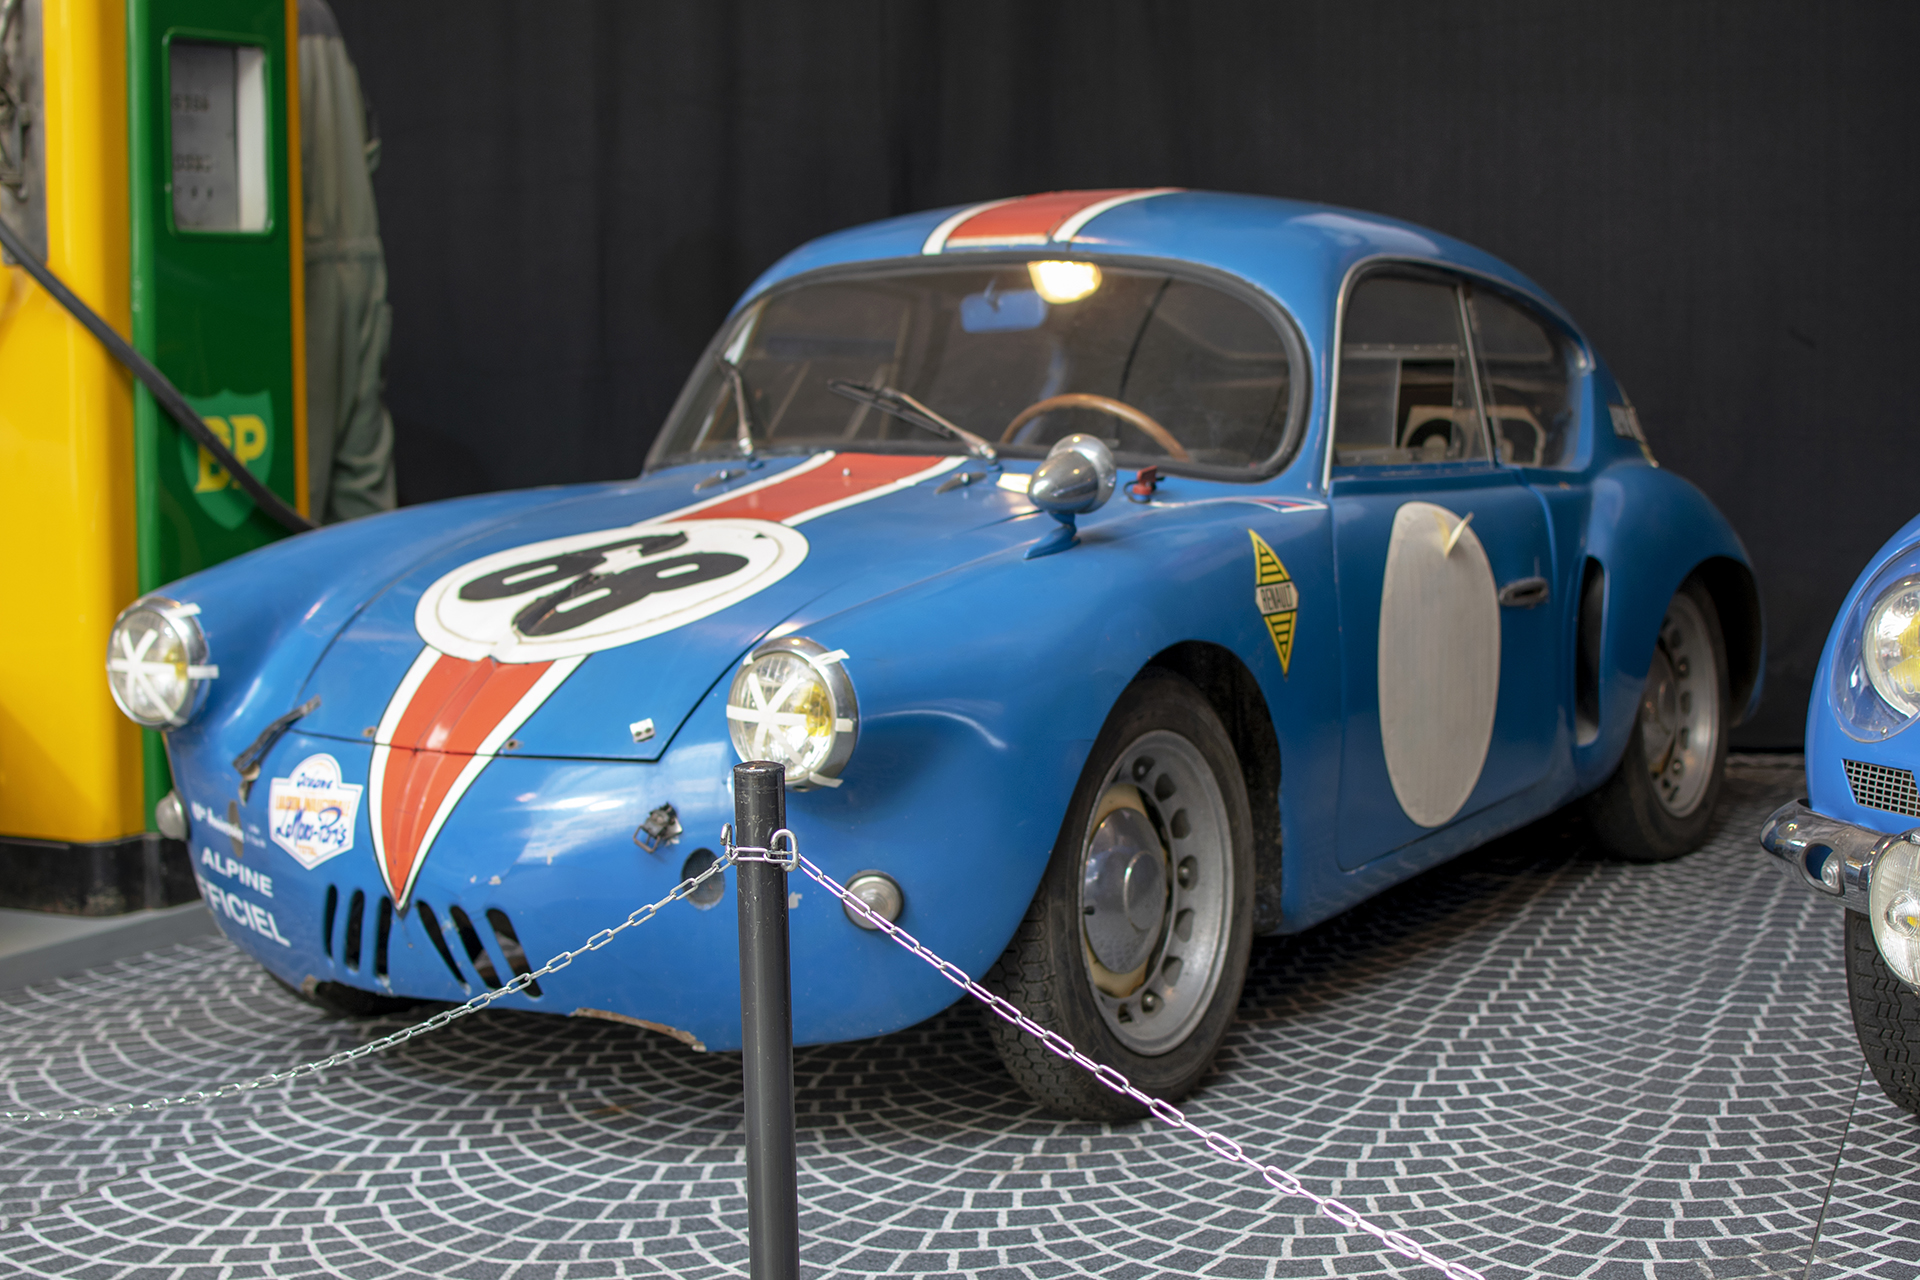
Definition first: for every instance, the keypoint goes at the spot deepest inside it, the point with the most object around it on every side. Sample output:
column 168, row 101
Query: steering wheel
column 1105, row 404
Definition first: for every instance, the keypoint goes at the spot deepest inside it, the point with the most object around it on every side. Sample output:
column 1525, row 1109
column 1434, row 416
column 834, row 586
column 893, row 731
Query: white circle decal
column 590, row 591
column 1439, row 661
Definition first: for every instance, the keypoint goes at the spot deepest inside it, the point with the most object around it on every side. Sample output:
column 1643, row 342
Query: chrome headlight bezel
column 817, row 762
column 131, row 674
column 1899, row 603
column 1893, row 907
column 1864, row 705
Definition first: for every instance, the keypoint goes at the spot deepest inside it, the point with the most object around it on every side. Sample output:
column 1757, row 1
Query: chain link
column 776, row 854
column 639, row 916
column 1226, row 1148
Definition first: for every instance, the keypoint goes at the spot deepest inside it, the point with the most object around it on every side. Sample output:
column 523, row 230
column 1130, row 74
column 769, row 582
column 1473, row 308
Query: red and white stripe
column 450, row 716
column 1056, row 217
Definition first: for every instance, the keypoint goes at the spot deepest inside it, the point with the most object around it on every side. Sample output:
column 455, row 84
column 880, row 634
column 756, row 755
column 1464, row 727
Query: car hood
column 565, row 628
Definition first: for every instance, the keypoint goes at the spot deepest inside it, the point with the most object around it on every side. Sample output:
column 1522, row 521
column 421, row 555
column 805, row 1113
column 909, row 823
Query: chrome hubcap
column 1123, row 894
column 1680, row 710
column 1155, row 884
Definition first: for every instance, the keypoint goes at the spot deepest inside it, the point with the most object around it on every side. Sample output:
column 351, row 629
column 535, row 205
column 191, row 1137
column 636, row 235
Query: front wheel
column 1886, row 1017
column 1659, row 803
column 1136, row 945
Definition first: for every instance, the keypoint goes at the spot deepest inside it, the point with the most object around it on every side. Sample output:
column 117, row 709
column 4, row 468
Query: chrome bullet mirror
column 1077, row 477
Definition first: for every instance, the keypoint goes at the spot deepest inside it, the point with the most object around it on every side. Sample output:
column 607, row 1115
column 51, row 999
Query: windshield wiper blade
column 743, row 430
column 907, row 409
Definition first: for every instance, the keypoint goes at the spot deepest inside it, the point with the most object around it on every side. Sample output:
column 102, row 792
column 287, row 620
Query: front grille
column 1878, row 787
column 345, row 926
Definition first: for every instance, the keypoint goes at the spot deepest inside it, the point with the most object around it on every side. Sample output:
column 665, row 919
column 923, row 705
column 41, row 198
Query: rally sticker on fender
column 311, row 813
column 567, row 597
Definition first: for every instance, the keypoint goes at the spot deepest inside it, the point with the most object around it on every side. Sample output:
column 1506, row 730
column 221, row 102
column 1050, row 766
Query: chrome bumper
column 1834, row 858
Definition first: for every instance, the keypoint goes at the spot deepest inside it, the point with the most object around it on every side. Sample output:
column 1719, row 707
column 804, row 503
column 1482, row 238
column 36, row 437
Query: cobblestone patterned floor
column 1538, row 1061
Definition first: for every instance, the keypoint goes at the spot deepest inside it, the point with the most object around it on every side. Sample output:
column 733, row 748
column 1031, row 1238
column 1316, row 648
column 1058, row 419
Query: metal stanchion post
column 766, row 1024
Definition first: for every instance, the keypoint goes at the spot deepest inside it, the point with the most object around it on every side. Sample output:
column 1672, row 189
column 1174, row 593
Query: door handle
column 1525, row 593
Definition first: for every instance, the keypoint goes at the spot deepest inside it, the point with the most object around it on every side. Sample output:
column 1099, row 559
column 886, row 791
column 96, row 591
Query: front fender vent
column 1875, row 786
column 431, row 924
column 510, row 946
column 356, row 907
column 327, row 915
column 476, row 949
column 383, row 930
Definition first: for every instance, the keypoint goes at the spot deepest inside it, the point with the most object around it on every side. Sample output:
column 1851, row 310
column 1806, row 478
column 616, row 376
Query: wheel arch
column 1736, row 598
column 1650, row 532
column 1235, row 696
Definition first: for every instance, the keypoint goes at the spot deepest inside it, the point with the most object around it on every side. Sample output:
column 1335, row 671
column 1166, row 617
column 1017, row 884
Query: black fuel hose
column 165, row 394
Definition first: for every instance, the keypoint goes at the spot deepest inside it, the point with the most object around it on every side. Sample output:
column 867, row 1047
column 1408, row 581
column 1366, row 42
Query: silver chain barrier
column 1226, row 1148
column 639, row 916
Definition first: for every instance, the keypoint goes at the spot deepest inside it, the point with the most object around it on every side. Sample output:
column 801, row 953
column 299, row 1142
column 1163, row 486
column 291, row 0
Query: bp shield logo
column 244, row 423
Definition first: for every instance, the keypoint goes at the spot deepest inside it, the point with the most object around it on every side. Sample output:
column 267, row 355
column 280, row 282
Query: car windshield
column 1169, row 371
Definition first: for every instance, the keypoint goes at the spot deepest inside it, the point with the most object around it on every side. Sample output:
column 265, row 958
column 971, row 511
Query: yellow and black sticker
column 1276, row 597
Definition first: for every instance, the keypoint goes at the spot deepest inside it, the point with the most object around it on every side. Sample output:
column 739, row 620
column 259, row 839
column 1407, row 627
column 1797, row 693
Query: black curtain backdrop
column 572, row 193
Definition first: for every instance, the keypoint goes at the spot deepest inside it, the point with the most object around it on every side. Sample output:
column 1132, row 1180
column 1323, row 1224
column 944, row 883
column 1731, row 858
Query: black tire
column 1886, row 1017
column 1048, row 969
column 341, row 1001
column 1629, row 816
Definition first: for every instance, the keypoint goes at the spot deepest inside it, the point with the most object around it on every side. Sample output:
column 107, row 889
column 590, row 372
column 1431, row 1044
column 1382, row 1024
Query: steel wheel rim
column 1180, row 794
column 1680, row 710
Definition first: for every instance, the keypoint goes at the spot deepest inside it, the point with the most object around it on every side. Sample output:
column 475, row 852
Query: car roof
column 1297, row 252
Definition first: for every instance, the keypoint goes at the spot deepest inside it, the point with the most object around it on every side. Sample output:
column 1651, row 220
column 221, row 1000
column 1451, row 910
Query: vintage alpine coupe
column 1855, row 839
column 1118, row 574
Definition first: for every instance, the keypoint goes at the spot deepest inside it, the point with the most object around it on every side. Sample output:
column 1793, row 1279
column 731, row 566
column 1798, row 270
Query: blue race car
column 1855, row 839
column 1119, row 575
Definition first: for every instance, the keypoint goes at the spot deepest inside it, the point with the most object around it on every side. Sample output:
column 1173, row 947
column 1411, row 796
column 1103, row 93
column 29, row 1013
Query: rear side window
column 1527, row 369
column 1406, row 384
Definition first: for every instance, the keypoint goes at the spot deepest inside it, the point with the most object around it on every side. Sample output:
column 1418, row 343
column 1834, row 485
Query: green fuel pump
column 216, row 258
column 215, row 262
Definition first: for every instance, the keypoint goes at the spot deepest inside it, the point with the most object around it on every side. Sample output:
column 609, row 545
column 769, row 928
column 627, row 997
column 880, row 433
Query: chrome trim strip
column 1832, row 858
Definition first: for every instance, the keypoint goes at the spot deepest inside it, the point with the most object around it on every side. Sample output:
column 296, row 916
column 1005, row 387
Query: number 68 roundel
column 504, row 631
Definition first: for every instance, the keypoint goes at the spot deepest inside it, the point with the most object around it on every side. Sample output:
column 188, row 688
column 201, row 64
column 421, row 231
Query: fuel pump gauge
column 217, row 101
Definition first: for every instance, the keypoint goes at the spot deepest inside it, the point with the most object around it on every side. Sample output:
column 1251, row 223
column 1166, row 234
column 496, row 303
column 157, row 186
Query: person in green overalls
column 349, row 324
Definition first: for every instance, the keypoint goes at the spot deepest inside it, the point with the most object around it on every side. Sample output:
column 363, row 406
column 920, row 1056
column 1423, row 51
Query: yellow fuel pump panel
column 75, row 815
column 70, row 765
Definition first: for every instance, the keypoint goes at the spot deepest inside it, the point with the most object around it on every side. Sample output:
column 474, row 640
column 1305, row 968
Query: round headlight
column 157, row 662
column 1893, row 905
column 792, row 703
column 1890, row 647
column 1875, row 683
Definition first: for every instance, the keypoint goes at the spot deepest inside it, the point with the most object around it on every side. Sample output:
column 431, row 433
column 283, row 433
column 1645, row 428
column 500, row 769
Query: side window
column 1527, row 366
column 1406, row 387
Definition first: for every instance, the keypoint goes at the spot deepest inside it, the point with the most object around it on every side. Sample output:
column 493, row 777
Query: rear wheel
column 1886, row 1017
column 1659, row 803
column 1136, row 945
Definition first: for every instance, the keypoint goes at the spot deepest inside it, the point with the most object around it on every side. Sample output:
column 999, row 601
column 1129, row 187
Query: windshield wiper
column 743, row 430
column 907, row 409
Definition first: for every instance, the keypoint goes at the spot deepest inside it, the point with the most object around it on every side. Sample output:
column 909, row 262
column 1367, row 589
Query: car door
column 1444, row 561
